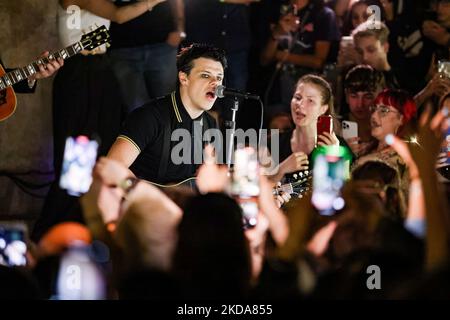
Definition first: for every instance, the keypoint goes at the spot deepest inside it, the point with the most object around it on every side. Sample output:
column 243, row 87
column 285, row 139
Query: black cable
column 24, row 189
column 24, row 185
column 261, row 121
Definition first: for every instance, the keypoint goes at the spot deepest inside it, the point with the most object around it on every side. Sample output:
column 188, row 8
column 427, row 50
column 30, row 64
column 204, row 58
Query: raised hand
column 435, row 32
column 321, row 239
column 282, row 198
column 211, row 177
column 110, row 172
column 327, row 139
column 287, row 23
column 295, row 162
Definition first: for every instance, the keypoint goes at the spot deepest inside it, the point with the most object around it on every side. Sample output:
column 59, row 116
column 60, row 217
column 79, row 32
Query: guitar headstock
column 96, row 38
column 299, row 186
column 302, row 183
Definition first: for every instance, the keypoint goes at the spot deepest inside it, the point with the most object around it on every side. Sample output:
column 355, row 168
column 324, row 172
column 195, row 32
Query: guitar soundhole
column 2, row 97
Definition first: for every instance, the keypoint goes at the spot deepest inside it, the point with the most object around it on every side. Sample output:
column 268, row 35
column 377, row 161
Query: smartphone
column 349, row 130
column 347, row 41
column 13, row 244
column 331, row 168
column 324, row 124
column 80, row 154
column 286, row 9
column 245, row 186
column 444, row 67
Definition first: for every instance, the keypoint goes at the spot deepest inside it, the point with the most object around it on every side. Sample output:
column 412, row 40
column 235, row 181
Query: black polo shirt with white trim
column 145, row 129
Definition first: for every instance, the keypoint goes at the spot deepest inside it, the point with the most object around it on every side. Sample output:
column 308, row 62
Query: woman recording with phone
column 312, row 98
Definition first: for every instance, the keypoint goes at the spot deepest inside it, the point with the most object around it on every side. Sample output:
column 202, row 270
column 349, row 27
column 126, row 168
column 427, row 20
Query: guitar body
column 8, row 100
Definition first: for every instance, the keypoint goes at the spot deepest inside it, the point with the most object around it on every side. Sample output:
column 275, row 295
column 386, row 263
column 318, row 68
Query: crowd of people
column 377, row 66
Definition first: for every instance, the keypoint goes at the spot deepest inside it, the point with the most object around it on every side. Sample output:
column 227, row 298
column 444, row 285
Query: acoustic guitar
column 8, row 100
column 298, row 186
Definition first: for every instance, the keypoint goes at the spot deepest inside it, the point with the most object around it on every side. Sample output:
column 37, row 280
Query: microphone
column 222, row 91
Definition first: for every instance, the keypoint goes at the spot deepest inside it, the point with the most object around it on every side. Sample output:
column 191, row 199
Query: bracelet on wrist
column 128, row 184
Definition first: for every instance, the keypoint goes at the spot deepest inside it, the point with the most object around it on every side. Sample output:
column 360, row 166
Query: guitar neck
column 19, row 74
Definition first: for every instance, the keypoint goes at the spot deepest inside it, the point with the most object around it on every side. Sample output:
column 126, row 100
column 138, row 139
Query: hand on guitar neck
column 44, row 67
column 48, row 69
column 297, row 188
column 8, row 99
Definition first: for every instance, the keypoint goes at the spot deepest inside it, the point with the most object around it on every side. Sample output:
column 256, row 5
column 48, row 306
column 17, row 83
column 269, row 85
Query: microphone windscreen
column 220, row 91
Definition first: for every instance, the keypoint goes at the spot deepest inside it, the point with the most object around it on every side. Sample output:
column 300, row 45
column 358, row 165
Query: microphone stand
column 232, row 126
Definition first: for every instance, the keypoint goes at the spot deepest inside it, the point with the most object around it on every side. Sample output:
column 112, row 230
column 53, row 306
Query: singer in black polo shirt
column 145, row 145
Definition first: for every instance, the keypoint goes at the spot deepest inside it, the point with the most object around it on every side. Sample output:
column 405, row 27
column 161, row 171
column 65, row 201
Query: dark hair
column 364, row 78
column 212, row 258
column 356, row 222
column 384, row 178
column 189, row 54
column 325, row 90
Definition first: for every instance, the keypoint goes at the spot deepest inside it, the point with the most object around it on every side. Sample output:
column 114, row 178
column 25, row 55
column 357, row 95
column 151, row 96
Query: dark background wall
column 28, row 28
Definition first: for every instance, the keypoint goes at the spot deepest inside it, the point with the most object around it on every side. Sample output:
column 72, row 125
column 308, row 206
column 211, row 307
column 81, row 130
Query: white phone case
column 349, row 129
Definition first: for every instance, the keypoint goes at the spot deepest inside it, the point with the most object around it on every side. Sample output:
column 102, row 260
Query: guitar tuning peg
column 108, row 45
column 295, row 176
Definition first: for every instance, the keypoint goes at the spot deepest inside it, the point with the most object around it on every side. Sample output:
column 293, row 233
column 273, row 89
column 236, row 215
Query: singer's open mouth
column 210, row 95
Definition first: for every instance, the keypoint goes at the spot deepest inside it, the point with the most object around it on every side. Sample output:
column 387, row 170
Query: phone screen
column 245, row 184
column 286, row 9
column 444, row 67
column 330, row 171
column 324, row 124
column 80, row 155
column 13, row 245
